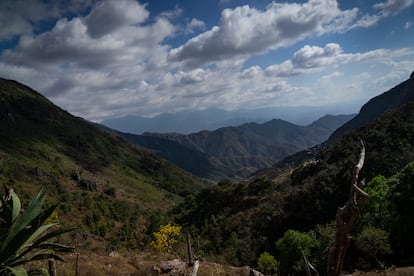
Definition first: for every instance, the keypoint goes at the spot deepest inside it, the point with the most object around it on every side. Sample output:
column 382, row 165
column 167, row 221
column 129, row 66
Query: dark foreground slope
column 107, row 187
column 246, row 219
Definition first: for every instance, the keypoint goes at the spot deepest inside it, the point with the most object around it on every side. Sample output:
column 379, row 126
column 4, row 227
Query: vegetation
column 165, row 239
column 27, row 236
column 267, row 263
column 108, row 188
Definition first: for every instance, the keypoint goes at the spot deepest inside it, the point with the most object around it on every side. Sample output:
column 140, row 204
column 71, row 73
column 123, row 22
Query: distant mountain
column 236, row 152
column 106, row 186
column 190, row 121
column 374, row 108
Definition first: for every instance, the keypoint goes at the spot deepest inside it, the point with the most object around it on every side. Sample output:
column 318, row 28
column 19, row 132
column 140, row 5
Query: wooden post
column 52, row 267
column 195, row 268
column 190, row 250
column 346, row 219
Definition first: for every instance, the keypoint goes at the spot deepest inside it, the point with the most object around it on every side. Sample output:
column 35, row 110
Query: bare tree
column 346, row 219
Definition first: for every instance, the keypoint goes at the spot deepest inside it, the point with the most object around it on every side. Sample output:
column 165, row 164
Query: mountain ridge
column 375, row 107
column 107, row 187
column 237, row 151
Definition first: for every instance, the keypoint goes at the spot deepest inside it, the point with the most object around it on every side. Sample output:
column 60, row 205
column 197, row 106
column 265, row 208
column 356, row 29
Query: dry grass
column 140, row 264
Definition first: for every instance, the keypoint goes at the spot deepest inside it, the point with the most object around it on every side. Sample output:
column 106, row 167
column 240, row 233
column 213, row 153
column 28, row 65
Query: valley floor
column 141, row 265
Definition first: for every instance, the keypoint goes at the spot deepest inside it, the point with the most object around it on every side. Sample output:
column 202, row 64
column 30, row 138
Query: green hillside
column 238, row 222
column 107, row 187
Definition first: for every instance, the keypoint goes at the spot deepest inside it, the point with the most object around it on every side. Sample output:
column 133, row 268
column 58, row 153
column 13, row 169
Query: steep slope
column 238, row 151
column 254, row 214
column 374, row 108
column 107, row 186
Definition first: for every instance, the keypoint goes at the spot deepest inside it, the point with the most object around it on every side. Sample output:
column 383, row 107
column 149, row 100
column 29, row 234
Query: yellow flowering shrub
column 165, row 238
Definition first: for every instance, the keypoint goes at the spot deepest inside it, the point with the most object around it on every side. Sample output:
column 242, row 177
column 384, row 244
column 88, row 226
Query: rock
column 255, row 273
column 174, row 267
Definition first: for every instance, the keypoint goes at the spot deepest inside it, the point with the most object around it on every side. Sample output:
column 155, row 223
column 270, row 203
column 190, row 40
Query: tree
column 373, row 243
column 26, row 236
column 292, row 246
column 267, row 263
column 346, row 219
column 165, row 238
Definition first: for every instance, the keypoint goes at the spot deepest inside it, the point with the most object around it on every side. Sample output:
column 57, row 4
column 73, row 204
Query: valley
column 118, row 193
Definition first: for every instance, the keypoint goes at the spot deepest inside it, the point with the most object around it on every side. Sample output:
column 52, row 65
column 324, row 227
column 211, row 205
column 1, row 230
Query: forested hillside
column 107, row 187
column 239, row 222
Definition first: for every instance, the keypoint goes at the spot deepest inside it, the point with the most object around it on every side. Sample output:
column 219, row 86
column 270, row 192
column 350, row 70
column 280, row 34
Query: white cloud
column 244, row 31
column 393, row 6
column 408, row 24
column 107, row 16
column 387, row 8
column 193, row 25
column 311, row 58
column 122, row 67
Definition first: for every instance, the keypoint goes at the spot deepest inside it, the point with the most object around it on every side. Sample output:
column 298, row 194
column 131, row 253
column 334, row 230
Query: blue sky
column 103, row 59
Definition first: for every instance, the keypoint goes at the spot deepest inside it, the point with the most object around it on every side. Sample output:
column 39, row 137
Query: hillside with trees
column 111, row 190
column 237, row 222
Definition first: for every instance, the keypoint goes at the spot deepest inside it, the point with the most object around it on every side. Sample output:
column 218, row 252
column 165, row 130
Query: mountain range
column 190, row 121
column 236, row 152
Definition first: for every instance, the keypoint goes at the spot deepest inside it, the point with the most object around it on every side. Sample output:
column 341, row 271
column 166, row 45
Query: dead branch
column 346, row 219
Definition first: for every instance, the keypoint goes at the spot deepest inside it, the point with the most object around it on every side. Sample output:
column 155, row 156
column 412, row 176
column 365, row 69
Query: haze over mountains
column 190, row 121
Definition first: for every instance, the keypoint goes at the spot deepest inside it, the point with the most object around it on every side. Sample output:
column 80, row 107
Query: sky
column 109, row 58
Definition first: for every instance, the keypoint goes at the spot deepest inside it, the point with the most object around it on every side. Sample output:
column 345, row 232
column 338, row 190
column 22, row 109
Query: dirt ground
column 142, row 265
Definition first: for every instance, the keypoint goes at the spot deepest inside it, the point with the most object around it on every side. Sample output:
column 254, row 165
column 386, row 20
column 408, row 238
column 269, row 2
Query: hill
column 239, row 221
column 235, row 152
column 109, row 188
column 374, row 108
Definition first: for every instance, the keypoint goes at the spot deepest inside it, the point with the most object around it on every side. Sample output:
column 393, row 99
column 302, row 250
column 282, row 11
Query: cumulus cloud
column 245, row 31
column 79, row 42
column 20, row 15
column 311, row 58
column 108, row 16
column 110, row 61
column 193, row 25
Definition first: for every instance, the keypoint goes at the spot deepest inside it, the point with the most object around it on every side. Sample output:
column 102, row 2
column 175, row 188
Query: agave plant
column 25, row 235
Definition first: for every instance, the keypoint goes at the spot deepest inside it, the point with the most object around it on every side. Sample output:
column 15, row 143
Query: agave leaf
column 24, row 226
column 57, row 247
column 16, row 205
column 38, row 232
column 28, row 245
column 17, row 271
column 53, row 234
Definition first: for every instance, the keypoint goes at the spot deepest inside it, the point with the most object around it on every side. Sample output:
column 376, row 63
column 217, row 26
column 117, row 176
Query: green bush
column 267, row 263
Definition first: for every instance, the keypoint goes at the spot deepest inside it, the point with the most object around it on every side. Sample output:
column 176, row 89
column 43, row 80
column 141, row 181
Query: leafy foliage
column 165, row 238
column 267, row 263
column 291, row 248
column 26, row 236
column 373, row 243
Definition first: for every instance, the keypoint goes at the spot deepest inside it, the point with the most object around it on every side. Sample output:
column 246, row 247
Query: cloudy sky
column 109, row 58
